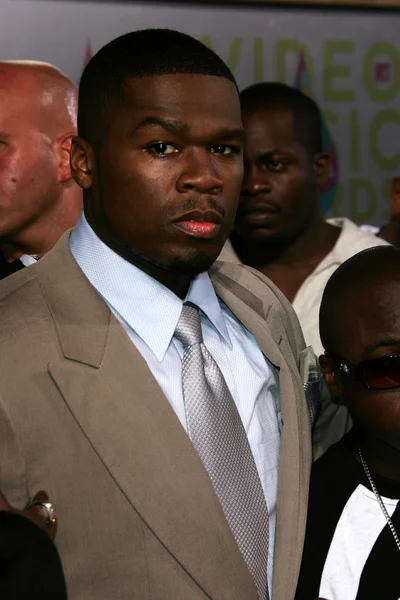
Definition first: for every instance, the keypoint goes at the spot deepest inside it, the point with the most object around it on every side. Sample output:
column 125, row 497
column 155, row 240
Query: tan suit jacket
column 82, row 417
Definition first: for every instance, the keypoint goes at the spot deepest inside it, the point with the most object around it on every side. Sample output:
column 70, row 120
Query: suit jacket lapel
column 135, row 432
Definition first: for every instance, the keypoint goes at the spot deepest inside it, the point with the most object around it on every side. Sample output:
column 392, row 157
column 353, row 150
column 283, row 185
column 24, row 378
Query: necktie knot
column 188, row 330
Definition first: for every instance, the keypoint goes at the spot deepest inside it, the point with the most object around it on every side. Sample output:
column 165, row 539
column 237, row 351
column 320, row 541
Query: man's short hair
column 306, row 114
column 149, row 52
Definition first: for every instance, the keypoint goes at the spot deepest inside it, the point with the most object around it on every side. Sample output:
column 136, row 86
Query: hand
column 35, row 513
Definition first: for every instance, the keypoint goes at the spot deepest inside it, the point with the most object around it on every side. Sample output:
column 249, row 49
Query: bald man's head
column 361, row 301
column 360, row 329
column 51, row 94
column 38, row 111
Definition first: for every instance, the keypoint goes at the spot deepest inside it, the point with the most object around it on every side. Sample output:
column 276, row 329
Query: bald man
column 351, row 548
column 39, row 200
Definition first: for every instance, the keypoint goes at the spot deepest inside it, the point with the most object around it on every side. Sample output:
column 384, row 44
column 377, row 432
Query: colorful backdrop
column 348, row 60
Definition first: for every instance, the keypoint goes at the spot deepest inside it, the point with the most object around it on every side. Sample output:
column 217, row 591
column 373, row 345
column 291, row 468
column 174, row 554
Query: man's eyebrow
column 172, row 125
column 176, row 126
column 273, row 152
column 381, row 344
column 227, row 134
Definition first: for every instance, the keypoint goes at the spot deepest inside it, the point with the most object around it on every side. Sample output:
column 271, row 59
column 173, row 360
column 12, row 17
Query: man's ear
column 62, row 149
column 82, row 160
column 322, row 168
column 330, row 374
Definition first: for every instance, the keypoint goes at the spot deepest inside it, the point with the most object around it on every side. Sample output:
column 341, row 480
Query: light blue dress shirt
column 149, row 313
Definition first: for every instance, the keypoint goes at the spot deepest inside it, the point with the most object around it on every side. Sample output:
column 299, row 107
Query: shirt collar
column 141, row 302
column 202, row 293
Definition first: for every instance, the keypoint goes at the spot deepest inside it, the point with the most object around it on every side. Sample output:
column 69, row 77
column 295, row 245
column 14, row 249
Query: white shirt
column 149, row 313
column 308, row 299
column 357, row 531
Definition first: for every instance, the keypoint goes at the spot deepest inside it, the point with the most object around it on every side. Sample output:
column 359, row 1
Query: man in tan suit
column 157, row 398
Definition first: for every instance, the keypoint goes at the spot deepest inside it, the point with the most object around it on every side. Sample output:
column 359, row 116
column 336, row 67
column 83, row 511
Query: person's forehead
column 269, row 118
column 270, row 126
column 19, row 94
column 367, row 315
column 183, row 95
column 17, row 79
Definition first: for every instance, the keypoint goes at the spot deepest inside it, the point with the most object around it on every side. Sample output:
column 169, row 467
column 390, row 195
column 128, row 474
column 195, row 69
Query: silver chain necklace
column 378, row 497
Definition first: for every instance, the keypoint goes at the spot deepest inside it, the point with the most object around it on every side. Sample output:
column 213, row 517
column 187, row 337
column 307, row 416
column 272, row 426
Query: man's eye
column 162, row 149
column 277, row 165
column 224, row 149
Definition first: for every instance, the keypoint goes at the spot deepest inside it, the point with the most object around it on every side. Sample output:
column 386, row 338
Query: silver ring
column 47, row 510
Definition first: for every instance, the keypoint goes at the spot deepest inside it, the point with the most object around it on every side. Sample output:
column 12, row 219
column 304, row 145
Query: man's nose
column 255, row 182
column 200, row 173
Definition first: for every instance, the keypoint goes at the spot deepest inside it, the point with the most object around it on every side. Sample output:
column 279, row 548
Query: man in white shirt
column 279, row 228
column 39, row 200
column 157, row 396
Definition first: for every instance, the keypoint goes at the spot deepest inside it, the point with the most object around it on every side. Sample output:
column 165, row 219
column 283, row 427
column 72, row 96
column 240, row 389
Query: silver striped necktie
column 217, row 433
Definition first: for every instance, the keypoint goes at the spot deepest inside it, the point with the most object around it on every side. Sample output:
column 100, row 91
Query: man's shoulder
column 352, row 239
column 242, row 287
column 243, row 281
column 21, row 302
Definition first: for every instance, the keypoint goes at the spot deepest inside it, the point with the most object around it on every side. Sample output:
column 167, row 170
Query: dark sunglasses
column 375, row 374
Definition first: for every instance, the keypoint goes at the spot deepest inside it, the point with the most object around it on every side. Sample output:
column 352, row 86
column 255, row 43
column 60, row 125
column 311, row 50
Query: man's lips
column 258, row 207
column 200, row 216
column 200, row 224
column 258, row 213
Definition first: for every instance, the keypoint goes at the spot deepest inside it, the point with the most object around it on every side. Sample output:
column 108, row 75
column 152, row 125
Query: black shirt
column 349, row 552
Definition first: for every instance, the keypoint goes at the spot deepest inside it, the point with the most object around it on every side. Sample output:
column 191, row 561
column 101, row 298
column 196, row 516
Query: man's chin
column 192, row 265
column 183, row 262
column 260, row 236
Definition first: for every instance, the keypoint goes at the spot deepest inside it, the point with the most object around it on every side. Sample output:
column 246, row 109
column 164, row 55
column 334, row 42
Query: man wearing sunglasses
column 352, row 546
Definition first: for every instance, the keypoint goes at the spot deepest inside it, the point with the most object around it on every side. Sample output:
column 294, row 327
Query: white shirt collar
column 147, row 306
